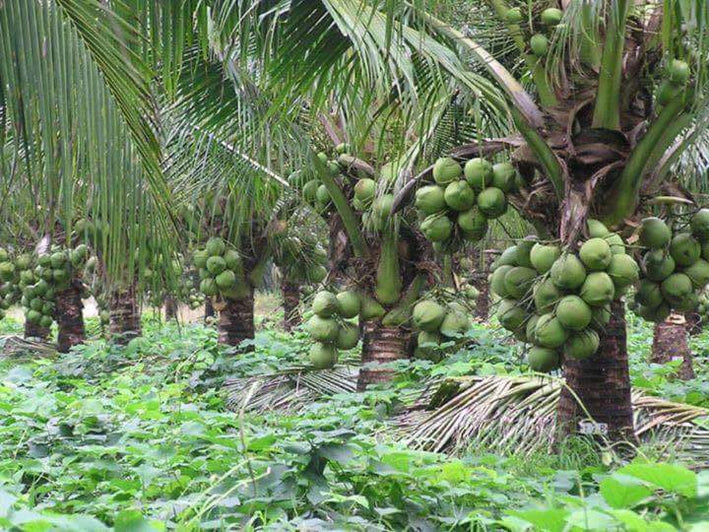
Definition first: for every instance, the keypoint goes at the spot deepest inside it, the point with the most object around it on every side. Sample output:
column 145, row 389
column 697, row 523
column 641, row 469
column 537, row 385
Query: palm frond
column 518, row 415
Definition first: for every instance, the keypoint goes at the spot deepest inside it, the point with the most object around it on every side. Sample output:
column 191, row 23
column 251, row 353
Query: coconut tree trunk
column 69, row 314
column 480, row 282
column 208, row 309
column 236, row 320
column 291, row 302
column 124, row 315
column 170, row 308
column 670, row 343
column 602, row 383
column 381, row 345
column 34, row 331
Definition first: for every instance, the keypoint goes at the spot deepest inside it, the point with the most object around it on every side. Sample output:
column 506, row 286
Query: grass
column 140, row 439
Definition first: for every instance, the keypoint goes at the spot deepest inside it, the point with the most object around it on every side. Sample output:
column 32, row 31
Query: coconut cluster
column 439, row 320
column 41, row 277
column 675, row 266
column 314, row 191
column 302, row 259
column 333, row 326
column 9, row 278
column 458, row 205
column 221, row 269
column 557, row 300
column 677, row 77
column 547, row 21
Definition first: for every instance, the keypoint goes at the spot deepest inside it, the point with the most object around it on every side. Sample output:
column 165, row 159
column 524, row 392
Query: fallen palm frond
column 518, row 415
column 13, row 346
column 289, row 390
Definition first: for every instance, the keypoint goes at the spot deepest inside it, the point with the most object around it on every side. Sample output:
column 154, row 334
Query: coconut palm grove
column 354, row 265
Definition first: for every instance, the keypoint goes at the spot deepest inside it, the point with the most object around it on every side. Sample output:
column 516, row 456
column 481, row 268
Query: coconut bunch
column 333, row 326
column 314, row 191
column 302, row 259
column 375, row 207
column 42, row 277
column 557, row 300
column 9, row 278
column 458, row 205
column 542, row 25
column 675, row 266
column 221, row 270
column 440, row 319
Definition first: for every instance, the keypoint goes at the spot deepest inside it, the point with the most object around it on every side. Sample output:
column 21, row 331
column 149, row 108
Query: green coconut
column 226, row 280
column 200, row 258
column 518, row 281
column 699, row 223
column 456, row 322
column 524, row 250
column 428, row 315
column 322, row 356
column 546, row 294
column 233, row 260
column 552, row 16
column 478, row 173
column 7, row 271
column 509, row 256
column 685, row 249
column 473, row 224
column 364, row 190
column 60, row 276
column 542, row 359
column 573, row 313
column 428, row 339
column 676, row 288
column 568, row 272
column 595, row 254
column 667, row 93
column 322, row 196
column 624, row 271
column 381, row 206
column 316, row 273
column 370, row 309
column 216, row 265
column 46, row 321
column 492, row 202
column 514, row 16
column 582, row 345
column 539, row 44
column 601, row 316
column 347, row 336
column 504, row 176
column 598, row 289
column 679, row 72
column 615, row 241
column 430, row 199
column 446, row 170
column 437, row 228
column 510, row 314
column 459, row 196
column 427, row 346
column 348, row 304
column 325, row 304
column 530, row 327
column 688, row 304
column 549, row 332
column 654, row 233
column 698, row 273
column 209, row 287
column 215, row 247
column 322, row 329
column 23, row 261
column 596, row 229
column 310, row 190
column 58, row 260
column 497, row 280
column 658, row 265
column 649, row 293
column 543, row 256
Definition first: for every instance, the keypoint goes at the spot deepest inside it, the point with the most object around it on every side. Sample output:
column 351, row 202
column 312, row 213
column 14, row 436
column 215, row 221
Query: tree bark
column 381, row 345
column 669, row 343
column 236, row 320
column 170, row 308
column 602, row 383
column 34, row 331
column 124, row 315
column 208, row 309
column 69, row 317
column 291, row 302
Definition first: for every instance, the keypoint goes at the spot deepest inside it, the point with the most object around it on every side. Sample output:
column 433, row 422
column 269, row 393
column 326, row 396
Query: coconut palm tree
column 612, row 93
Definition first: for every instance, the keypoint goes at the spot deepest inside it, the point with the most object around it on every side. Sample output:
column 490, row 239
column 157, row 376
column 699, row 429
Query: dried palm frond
column 14, row 346
column 518, row 414
column 289, row 390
